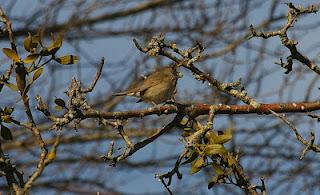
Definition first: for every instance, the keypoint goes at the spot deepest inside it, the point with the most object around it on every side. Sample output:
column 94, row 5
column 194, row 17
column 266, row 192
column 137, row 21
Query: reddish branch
column 195, row 110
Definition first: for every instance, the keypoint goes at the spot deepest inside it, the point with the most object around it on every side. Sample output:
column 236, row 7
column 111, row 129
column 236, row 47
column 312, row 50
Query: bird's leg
column 170, row 101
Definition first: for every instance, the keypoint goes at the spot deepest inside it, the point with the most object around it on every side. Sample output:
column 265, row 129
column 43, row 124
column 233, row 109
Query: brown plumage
column 158, row 87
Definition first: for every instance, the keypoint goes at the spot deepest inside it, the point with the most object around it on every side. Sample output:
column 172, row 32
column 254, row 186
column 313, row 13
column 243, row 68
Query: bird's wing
column 152, row 79
column 140, row 87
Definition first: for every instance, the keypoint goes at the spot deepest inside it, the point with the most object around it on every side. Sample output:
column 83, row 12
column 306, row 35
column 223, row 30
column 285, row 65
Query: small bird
column 157, row 87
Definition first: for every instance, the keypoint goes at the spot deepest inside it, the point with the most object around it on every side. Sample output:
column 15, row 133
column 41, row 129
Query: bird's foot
column 170, row 101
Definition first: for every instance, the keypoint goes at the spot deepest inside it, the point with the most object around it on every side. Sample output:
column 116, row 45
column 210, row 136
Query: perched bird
column 157, row 87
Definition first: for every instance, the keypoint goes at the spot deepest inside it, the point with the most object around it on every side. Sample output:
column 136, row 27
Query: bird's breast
column 160, row 93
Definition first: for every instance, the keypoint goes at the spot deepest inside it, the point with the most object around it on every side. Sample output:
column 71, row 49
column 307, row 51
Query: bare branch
column 98, row 74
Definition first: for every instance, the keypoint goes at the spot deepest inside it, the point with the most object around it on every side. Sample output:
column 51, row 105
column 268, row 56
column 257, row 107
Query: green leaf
column 212, row 149
column 68, row 59
column 11, row 54
column 37, row 74
column 6, row 133
column 60, row 102
column 31, row 58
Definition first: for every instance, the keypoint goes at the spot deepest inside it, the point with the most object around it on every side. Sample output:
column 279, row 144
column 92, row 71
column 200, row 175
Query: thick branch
column 202, row 109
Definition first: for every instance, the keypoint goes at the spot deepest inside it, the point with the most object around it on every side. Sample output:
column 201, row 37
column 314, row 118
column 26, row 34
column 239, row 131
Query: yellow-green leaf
column 8, row 110
column 53, row 48
column 197, row 165
column 45, row 52
column 213, row 138
column 217, row 169
column 27, row 43
column 58, row 108
column 231, row 161
column 37, row 74
column 197, row 126
column 68, row 59
column 31, row 58
column 11, row 54
column 26, row 89
column 6, row 133
column 58, row 41
column 225, row 137
column 184, row 121
column 186, row 133
column 31, row 43
column 12, row 86
column 60, row 102
column 52, row 154
column 194, row 170
column 212, row 149
column 191, row 157
column 36, row 39
column 212, row 181
column 6, row 118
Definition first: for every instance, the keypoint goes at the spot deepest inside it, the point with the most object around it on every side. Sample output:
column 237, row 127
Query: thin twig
column 137, row 146
column 98, row 74
column 6, row 76
column 157, row 46
column 309, row 144
column 293, row 14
